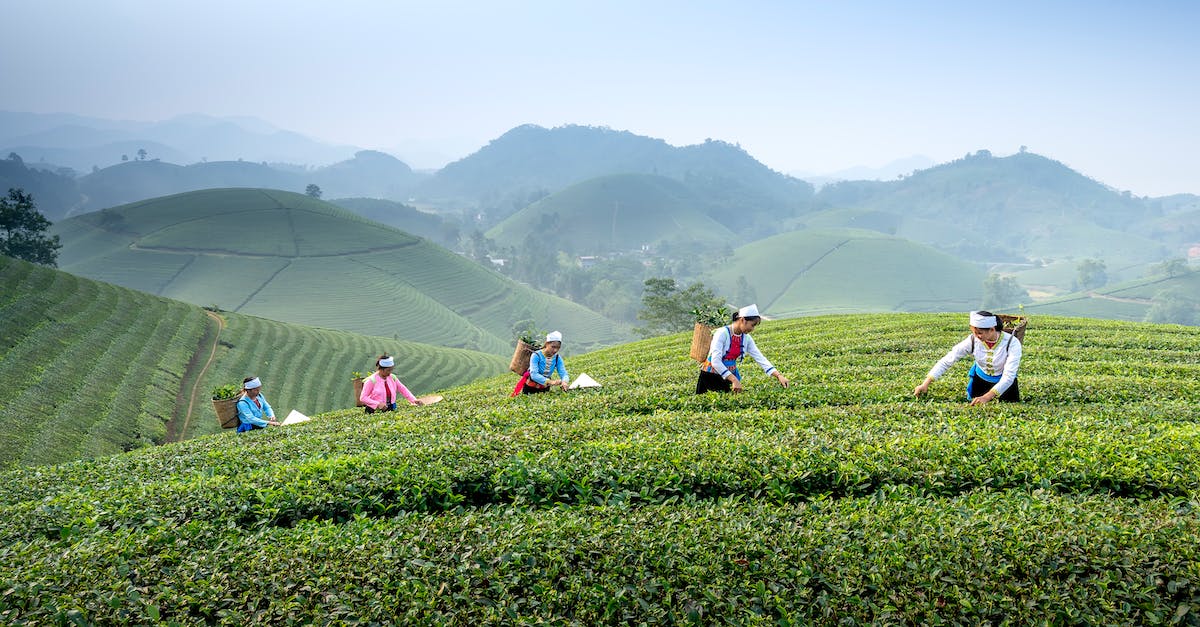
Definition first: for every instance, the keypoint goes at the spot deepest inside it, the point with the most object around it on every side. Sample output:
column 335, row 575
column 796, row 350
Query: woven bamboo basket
column 520, row 358
column 1015, row 325
column 701, row 339
column 358, row 385
column 226, row 409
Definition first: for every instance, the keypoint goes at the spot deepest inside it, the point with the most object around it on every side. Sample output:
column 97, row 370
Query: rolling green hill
column 532, row 160
column 409, row 219
column 90, row 369
column 1131, row 300
column 838, row 501
column 288, row 257
column 615, row 213
column 1003, row 209
column 849, row 270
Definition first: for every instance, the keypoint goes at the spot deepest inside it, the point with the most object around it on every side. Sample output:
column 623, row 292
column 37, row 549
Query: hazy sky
column 1112, row 89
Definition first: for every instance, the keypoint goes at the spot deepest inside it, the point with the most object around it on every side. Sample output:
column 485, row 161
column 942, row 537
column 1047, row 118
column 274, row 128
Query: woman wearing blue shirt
column 254, row 412
column 544, row 363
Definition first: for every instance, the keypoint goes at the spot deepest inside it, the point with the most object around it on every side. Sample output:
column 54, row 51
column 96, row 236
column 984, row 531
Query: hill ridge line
column 251, row 295
column 217, row 252
column 799, row 273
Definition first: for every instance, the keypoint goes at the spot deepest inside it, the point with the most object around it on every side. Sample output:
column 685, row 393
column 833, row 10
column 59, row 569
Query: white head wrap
column 251, row 384
column 387, row 362
column 982, row 322
column 553, row 336
column 749, row 311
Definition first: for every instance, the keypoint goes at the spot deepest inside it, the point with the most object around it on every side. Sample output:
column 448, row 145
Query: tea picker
column 997, row 355
column 542, row 365
column 729, row 345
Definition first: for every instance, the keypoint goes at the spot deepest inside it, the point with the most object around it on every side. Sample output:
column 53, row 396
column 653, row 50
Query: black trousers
column 978, row 386
column 712, row 382
column 529, row 389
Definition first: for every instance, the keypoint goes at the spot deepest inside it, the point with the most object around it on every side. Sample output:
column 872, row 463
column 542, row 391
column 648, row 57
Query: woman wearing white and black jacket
column 729, row 344
column 997, row 358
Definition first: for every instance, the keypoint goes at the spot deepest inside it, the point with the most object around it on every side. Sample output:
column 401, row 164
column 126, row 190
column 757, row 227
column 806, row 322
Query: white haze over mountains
column 1107, row 88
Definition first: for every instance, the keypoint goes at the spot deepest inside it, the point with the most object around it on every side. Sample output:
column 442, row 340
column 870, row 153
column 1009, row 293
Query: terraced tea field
column 826, row 271
column 90, row 369
column 839, row 500
column 288, row 257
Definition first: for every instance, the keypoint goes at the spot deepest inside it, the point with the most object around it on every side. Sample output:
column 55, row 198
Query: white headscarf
column 251, row 384
column 553, row 336
column 982, row 322
column 387, row 362
column 749, row 311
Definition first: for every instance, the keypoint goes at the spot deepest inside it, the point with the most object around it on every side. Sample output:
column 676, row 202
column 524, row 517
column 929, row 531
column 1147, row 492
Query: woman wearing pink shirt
column 382, row 387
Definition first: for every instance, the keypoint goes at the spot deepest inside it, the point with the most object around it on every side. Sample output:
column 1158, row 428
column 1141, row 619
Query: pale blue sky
column 1109, row 88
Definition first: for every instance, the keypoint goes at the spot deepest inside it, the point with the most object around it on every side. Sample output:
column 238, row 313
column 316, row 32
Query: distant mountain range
column 82, row 143
column 609, row 190
column 530, row 162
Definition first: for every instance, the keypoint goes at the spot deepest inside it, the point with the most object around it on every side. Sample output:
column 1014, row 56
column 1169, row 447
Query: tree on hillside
column 1092, row 274
column 141, row 153
column 1001, row 291
column 21, row 230
column 312, row 190
column 1174, row 306
column 744, row 293
column 668, row 309
column 1172, row 267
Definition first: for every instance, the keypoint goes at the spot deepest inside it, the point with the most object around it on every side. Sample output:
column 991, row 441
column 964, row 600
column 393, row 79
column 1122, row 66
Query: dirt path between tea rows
column 175, row 432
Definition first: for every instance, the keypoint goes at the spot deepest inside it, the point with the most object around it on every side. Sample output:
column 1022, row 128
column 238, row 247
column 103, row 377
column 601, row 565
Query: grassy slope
column 841, row 270
column 841, row 499
column 618, row 212
column 1129, row 300
column 90, row 369
column 288, row 257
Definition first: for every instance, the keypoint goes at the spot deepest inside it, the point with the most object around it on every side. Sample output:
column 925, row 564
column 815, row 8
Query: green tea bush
column 840, row 500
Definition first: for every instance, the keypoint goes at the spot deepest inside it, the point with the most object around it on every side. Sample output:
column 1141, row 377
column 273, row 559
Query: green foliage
column 1002, row 291
column 710, row 316
column 22, row 230
column 528, row 332
column 227, row 391
column 1092, row 274
column 1175, row 306
column 1174, row 267
column 312, row 191
column 356, row 375
column 838, row 500
column 666, row 308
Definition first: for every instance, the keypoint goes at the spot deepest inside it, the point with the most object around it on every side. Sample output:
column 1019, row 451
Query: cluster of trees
column 611, row 286
column 23, row 228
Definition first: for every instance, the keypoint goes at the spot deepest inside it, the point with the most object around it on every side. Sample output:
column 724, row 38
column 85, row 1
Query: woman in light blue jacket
column 254, row 412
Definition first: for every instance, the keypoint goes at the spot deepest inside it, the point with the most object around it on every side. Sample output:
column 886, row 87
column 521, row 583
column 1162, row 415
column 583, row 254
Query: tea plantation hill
column 621, row 212
column 849, row 270
column 1129, row 300
column 368, row 173
column 89, row 369
column 839, row 500
column 530, row 160
column 288, row 257
column 996, row 209
column 431, row 226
